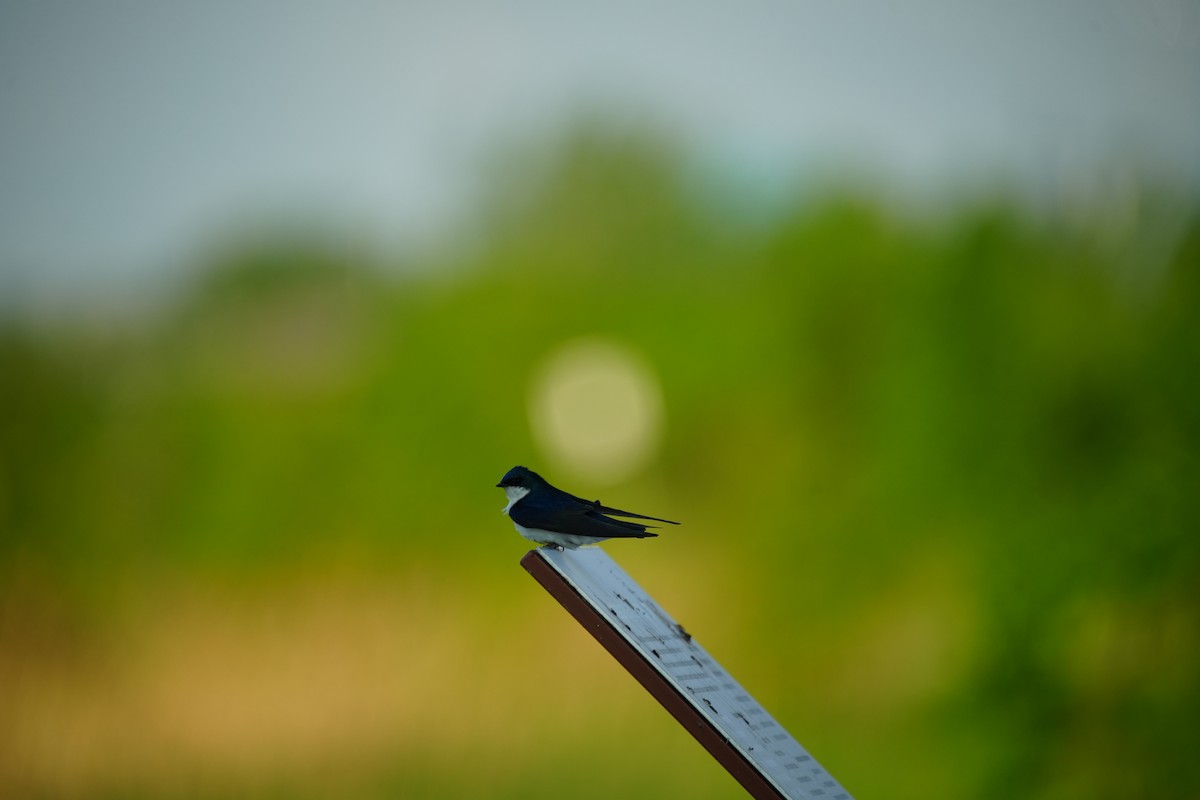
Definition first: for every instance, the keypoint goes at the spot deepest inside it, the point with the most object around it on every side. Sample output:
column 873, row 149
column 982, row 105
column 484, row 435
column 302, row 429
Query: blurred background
column 895, row 308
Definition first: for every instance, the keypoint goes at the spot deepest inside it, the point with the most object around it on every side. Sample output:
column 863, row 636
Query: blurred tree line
column 954, row 460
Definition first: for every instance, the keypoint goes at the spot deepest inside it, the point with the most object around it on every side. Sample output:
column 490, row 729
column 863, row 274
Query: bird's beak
column 499, row 485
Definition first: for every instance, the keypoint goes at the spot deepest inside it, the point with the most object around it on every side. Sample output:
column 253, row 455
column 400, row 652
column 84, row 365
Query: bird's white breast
column 514, row 493
column 568, row 541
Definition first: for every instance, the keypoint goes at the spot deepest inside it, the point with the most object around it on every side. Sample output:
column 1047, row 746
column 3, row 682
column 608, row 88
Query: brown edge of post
column 692, row 721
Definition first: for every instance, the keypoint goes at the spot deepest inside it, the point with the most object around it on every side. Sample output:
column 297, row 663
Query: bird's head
column 520, row 478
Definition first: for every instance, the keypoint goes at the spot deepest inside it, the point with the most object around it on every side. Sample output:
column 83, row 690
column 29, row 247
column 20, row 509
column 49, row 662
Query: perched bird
column 550, row 516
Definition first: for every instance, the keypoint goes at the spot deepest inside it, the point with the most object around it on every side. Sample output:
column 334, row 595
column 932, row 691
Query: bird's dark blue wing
column 567, row 514
column 618, row 512
column 596, row 505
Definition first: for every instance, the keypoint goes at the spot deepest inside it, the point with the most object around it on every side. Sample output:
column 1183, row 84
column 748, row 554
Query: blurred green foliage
column 943, row 474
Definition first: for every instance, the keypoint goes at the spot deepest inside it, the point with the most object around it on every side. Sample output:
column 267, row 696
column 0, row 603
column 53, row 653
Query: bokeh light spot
column 596, row 409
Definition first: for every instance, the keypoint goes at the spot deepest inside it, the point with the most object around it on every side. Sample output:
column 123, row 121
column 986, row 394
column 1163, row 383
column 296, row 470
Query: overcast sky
column 130, row 131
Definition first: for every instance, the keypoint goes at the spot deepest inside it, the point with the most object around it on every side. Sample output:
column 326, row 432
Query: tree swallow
column 550, row 516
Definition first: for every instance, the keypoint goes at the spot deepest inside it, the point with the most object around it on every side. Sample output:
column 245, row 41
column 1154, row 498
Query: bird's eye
column 517, row 481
